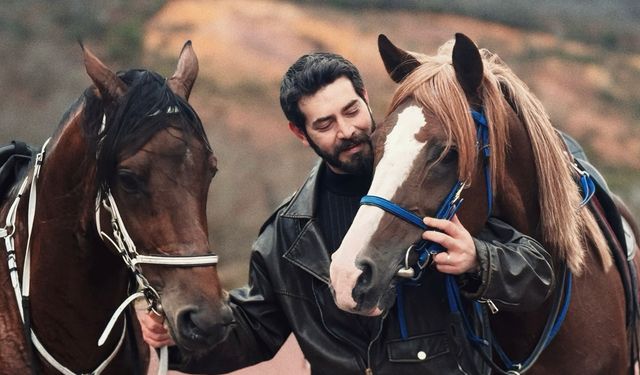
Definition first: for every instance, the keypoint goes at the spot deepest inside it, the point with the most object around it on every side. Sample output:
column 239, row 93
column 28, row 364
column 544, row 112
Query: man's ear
column 299, row 134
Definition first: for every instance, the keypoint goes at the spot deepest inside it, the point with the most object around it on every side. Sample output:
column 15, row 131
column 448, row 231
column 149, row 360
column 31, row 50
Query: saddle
column 14, row 157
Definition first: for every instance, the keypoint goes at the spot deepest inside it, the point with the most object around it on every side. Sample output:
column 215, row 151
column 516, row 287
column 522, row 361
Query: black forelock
column 148, row 107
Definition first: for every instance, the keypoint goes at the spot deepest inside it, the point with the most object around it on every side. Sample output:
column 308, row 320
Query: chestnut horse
column 113, row 204
column 427, row 144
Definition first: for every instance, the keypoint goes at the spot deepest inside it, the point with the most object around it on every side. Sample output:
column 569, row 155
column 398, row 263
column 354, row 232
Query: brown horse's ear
column 398, row 63
column 111, row 87
column 468, row 65
column 183, row 79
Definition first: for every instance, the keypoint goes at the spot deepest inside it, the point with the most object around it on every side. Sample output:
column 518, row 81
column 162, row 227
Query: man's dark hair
column 308, row 75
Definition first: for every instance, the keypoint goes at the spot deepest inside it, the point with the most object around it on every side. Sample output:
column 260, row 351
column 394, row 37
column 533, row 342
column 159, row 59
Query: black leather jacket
column 288, row 291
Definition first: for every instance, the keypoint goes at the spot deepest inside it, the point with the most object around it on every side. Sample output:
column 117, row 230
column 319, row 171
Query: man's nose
column 346, row 130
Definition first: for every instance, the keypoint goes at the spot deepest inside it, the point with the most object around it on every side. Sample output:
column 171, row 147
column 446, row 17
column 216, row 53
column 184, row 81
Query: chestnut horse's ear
column 398, row 63
column 183, row 79
column 111, row 87
column 468, row 65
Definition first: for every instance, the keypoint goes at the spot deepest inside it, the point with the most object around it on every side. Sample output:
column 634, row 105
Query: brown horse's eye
column 129, row 181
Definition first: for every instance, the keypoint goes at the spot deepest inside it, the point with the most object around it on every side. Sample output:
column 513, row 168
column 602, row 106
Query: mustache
column 355, row 140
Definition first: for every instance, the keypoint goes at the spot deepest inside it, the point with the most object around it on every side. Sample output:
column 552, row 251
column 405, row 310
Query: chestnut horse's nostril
column 367, row 272
column 365, row 280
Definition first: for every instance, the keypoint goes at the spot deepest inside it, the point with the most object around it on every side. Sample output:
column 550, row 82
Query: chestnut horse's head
column 153, row 169
column 428, row 143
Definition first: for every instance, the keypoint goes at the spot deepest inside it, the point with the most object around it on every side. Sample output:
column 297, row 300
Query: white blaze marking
column 401, row 148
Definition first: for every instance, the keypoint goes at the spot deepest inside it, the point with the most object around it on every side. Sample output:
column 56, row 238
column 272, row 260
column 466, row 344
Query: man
column 324, row 99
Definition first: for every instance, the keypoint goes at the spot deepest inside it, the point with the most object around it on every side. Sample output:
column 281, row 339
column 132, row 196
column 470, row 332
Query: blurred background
column 580, row 57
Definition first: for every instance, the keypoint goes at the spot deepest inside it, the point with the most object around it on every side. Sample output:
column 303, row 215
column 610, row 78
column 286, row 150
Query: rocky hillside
column 244, row 47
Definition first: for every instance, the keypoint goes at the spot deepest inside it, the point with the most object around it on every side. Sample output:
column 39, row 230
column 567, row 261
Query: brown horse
column 117, row 200
column 426, row 144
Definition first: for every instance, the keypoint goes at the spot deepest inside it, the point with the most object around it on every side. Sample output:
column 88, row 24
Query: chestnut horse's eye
column 440, row 154
column 129, row 181
column 451, row 156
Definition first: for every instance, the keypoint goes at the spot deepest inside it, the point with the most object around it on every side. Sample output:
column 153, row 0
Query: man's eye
column 352, row 112
column 323, row 125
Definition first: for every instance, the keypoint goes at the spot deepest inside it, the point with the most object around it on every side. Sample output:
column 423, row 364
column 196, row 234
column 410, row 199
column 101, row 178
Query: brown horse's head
column 427, row 144
column 153, row 156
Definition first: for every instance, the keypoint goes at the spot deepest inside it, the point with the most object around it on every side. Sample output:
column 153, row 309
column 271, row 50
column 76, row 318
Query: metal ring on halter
column 407, row 272
column 153, row 300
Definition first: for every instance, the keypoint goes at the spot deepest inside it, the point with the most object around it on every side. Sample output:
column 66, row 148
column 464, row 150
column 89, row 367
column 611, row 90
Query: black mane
column 148, row 107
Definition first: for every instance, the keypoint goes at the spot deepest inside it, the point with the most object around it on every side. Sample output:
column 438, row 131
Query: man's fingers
column 438, row 237
column 157, row 328
column 443, row 258
column 158, row 344
column 156, row 339
column 154, row 332
column 151, row 322
column 155, row 317
column 155, row 335
column 444, row 225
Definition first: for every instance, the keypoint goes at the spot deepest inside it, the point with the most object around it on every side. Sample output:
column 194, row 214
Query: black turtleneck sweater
column 338, row 201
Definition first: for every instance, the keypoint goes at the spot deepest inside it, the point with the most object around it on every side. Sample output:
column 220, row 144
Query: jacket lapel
column 308, row 251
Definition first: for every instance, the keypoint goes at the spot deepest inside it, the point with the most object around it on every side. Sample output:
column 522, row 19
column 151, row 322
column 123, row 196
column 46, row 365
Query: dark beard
column 360, row 164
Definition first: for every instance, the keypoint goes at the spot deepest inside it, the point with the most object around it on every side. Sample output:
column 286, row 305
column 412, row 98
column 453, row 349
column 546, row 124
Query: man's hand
column 460, row 254
column 153, row 331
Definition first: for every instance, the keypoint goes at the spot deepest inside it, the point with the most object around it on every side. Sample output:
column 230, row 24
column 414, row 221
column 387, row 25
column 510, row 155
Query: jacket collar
column 303, row 203
column 308, row 251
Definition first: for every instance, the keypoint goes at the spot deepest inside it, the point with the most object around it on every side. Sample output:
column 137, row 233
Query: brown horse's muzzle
column 203, row 327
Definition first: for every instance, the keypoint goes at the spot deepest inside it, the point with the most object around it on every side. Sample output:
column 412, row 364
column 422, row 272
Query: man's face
column 338, row 126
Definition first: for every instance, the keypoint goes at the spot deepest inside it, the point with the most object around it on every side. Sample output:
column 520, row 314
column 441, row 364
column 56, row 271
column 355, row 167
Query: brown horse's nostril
column 204, row 325
column 187, row 326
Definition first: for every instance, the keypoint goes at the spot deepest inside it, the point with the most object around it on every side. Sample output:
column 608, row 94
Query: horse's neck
column 76, row 282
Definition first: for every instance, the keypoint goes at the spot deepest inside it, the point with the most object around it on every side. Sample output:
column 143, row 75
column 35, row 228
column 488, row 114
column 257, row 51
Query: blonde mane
column 566, row 229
